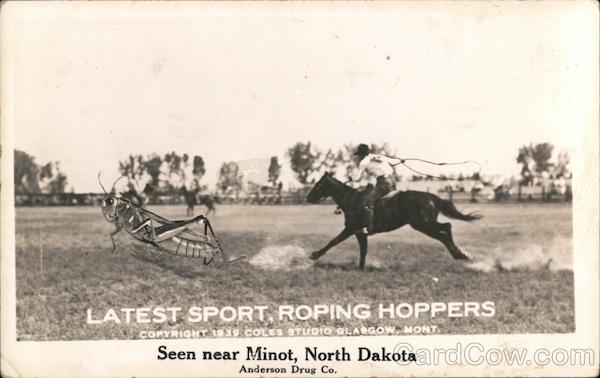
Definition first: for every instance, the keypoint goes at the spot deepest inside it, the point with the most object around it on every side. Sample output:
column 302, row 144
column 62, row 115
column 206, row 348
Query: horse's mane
column 331, row 177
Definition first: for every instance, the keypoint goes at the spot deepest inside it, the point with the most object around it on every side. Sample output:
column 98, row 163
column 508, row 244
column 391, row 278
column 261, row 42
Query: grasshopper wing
column 189, row 243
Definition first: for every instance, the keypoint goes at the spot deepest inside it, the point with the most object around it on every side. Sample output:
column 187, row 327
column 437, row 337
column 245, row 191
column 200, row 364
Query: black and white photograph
column 208, row 173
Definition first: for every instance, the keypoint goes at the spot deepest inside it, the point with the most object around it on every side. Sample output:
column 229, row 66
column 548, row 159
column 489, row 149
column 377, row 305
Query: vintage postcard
column 286, row 189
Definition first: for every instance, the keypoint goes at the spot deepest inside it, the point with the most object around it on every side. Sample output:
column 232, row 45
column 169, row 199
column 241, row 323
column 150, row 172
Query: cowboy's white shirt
column 374, row 165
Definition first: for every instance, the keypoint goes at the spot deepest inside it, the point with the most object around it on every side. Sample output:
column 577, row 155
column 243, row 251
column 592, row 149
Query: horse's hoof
column 315, row 255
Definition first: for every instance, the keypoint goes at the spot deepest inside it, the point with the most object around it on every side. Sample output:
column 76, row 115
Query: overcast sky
column 93, row 83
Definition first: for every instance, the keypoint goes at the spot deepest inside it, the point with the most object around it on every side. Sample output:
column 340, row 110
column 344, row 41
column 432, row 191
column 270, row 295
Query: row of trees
column 231, row 178
column 30, row 177
column 306, row 160
column 169, row 173
column 535, row 160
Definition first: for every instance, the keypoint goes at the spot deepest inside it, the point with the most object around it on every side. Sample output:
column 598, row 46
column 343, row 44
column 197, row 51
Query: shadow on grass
column 169, row 263
column 347, row 266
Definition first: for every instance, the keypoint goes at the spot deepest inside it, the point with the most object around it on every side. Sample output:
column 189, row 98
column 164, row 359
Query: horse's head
column 321, row 190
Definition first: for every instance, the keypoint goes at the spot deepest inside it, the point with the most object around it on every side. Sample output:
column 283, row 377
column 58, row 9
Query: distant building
column 255, row 172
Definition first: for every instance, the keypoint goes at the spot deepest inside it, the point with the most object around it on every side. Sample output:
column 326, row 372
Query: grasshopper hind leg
column 208, row 261
column 208, row 228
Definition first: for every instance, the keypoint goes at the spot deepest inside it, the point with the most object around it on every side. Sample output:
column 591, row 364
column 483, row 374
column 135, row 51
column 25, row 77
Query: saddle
column 369, row 188
column 390, row 194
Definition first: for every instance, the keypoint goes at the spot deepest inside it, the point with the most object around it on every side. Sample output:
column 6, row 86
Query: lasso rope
column 404, row 160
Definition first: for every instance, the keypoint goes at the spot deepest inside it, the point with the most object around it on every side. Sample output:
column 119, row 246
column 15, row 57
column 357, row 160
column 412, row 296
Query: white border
column 128, row 358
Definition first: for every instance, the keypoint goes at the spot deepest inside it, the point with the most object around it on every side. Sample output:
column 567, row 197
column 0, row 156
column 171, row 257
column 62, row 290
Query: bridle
column 321, row 199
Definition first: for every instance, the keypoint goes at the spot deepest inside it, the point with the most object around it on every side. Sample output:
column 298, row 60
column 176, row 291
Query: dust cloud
column 555, row 255
column 281, row 257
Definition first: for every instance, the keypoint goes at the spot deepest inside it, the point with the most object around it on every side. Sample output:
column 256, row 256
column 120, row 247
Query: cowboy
column 380, row 168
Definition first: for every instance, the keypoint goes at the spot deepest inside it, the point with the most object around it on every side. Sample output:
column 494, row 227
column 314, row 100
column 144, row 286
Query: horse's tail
column 448, row 209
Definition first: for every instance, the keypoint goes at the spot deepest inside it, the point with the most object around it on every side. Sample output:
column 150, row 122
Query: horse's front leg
column 362, row 242
column 335, row 241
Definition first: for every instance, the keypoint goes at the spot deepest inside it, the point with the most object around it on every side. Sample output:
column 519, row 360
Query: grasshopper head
column 110, row 203
column 109, row 208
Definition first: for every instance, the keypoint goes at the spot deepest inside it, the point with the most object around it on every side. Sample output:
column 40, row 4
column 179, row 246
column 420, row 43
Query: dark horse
column 209, row 201
column 419, row 209
column 192, row 199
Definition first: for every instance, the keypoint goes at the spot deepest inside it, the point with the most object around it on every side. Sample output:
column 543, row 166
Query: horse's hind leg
column 443, row 233
column 446, row 228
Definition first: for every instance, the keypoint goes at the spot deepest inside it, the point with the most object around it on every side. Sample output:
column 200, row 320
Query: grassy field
column 64, row 266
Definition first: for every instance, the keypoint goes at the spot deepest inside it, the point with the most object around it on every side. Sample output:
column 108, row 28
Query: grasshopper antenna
column 116, row 181
column 100, row 182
